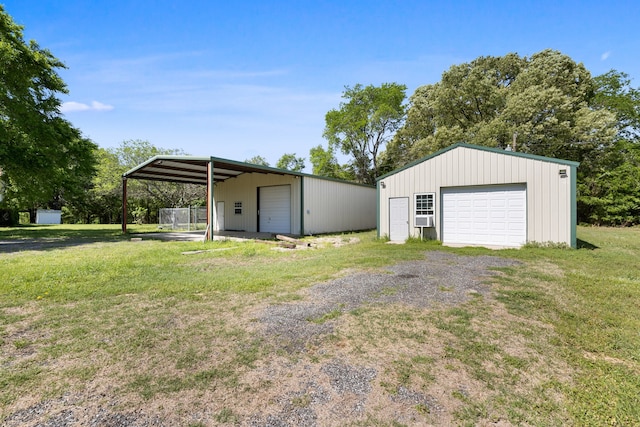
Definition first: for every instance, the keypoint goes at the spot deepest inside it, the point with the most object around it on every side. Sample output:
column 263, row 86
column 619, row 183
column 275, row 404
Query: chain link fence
column 189, row 218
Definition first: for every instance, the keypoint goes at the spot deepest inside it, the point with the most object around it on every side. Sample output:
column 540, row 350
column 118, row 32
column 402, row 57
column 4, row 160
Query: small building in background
column 48, row 216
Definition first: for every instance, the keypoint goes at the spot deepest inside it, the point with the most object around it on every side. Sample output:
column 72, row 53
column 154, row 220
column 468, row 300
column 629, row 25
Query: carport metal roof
column 193, row 170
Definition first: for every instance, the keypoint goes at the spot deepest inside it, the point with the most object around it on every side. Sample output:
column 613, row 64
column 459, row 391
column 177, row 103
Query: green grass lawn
column 101, row 319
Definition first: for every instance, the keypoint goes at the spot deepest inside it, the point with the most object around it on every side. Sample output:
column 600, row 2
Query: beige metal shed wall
column 332, row 206
column 548, row 194
column 244, row 189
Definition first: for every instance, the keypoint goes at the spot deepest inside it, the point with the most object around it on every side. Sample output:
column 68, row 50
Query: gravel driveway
column 441, row 279
column 310, row 388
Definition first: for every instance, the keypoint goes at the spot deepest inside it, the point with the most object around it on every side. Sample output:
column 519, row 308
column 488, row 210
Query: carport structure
column 191, row 170
column 254, row 198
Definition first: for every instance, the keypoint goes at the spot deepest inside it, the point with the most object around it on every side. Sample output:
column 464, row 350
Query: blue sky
column 239, row 79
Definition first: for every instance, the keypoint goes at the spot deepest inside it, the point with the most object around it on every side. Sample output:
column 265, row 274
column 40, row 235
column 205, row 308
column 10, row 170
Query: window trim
column 430, row 195
column 237, row 208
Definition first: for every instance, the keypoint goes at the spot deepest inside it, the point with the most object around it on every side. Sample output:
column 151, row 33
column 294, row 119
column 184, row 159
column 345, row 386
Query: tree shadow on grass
column 45, row 237
column 47, row 244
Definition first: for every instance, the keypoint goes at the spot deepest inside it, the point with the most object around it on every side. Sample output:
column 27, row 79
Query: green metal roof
column 193, row 170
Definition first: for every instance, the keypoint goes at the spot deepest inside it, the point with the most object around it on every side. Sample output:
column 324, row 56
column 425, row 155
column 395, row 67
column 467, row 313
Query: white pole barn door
column 398, row 219
column 494, row 215
column 219, row 216
column 275, row 209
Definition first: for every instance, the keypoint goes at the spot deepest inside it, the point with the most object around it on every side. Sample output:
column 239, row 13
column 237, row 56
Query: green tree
column 613, row 91
column 291, row 162
column 145, row 197
column 105, row 197
column 152, row 195
column 133, row 152
column 549, row 108
column 364, row 123
column 463, row 106
column 44, row 161
column 257, row 160
column 325, row 163
column 419, row 125
column 52, row 181
column 544, row 100
column 610, row 193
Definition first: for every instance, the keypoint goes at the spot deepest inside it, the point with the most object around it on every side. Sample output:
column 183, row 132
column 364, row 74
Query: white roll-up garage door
column 275, row 209
column 493, row 215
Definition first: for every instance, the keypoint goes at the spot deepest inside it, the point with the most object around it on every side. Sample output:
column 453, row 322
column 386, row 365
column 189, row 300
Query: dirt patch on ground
column 372, row 348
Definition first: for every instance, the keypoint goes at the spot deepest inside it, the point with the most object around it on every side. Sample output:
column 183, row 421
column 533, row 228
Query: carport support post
column 211, row 211
column 302, row 205
column 124, row 205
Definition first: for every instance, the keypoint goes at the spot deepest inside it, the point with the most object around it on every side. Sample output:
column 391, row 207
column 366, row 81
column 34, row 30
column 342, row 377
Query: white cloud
column 605, row 55
column 72, row 106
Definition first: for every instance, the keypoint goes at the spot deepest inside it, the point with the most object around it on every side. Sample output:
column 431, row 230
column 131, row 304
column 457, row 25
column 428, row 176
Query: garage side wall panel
column 397, row 185
column 565, row 208
column 332, row 206
column 421, row 178
column 548, row 202
column 551, row 203
column 244, row 189
column 558, row 193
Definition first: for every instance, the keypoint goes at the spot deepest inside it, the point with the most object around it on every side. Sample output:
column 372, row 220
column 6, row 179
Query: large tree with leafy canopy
column 613, row 91
column 363, row 124
column 543, row 100
column 44, row 160
column 55, row 180
column 146, row 197
column 610, row 194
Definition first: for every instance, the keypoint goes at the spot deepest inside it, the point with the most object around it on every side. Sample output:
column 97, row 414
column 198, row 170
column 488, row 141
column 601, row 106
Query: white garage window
column 425, row 204
column 237, row 208
column 425, row 209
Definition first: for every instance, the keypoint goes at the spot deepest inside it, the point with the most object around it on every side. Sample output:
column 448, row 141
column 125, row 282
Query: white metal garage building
column 252, row 198
column 468, row 195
